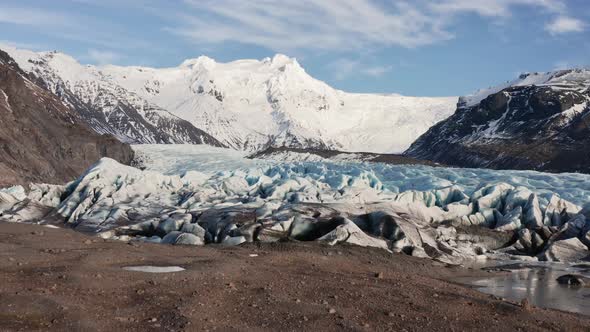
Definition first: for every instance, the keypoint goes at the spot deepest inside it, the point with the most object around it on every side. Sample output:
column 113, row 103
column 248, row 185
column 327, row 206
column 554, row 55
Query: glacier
column 203, row 195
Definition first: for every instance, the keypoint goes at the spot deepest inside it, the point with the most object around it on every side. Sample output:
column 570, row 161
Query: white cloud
column 344, row 68
column 101, row 57
column 311, row 24
column 565, row 24
column 377, row 71
column 495, row 8
column 33, row 17
column 287, row 25
column 24, row 46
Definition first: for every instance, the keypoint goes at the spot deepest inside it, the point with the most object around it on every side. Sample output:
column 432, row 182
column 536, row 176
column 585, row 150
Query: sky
column 417, row 47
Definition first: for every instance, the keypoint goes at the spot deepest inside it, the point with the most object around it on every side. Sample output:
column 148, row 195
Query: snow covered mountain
column 105, row 106
column 247, row 104
column 539, row 121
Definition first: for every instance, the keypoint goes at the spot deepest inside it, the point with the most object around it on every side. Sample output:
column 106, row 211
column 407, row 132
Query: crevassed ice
column 181, row 159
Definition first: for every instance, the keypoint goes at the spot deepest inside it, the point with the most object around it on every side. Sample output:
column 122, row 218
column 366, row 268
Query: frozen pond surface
column 154, row 269
column 537, row 282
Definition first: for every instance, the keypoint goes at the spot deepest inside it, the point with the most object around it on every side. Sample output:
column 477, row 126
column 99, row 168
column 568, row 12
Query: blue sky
column 419, row 47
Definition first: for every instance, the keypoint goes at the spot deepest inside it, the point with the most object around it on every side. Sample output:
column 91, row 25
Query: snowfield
column 196, row 195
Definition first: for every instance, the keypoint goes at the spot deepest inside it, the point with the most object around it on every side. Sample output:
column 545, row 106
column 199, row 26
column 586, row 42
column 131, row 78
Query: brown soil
column 54, row 279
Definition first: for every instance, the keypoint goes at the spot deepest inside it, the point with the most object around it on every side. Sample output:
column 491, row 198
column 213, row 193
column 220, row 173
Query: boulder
column 173, row 223
column 525, row 238
column 194, row 229
column 189, row 240
column 573, row 280
column 570, row 250
column 574, row 227
column 349, row 232
column 233, row 241
column 179, row 238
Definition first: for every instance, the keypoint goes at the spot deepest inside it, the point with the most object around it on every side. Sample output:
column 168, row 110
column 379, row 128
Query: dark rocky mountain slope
column 540, row 121
column 42, row 140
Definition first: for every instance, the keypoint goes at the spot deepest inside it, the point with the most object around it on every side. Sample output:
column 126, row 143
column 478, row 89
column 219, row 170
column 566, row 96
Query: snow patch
column 154, row 269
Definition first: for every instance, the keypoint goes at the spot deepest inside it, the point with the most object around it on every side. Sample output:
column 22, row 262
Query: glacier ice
column 450, row 215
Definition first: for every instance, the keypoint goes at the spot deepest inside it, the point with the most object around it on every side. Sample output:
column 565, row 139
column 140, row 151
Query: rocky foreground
column 62, row 280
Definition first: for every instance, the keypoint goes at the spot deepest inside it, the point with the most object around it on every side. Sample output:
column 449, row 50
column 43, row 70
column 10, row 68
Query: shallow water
column 154, row 269
column 537, row 282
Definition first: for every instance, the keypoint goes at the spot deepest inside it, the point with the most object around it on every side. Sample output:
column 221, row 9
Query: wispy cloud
column 344, row 68
column 26, row 46
column 285, row 25
column 70, row 26
column 317, row 24
column 494, row 8
column 34, row 17
column 102, row 57
column 565, row 24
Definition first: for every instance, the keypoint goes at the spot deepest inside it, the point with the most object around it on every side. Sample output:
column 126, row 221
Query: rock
column 173, row 223
column 569, row 250
column 152, row 239
column 573, row 280
column 525, row 238
column 171, row 237
column 179, row 238
column 189, row 239
column 546, row 232
column 44, row 139
column 302, row 227
column 349, row 232
column 194, row 229
column 585, row 238
column 219, row 222
column 525, row 304
column 574, row 227
column 233, row 241
column 538, row 242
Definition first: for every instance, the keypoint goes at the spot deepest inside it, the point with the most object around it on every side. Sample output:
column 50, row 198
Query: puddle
column 154, row 269
column 536, row 282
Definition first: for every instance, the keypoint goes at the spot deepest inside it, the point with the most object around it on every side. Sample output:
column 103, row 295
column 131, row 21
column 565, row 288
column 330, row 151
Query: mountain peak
column 203, row 60
column 282, row 61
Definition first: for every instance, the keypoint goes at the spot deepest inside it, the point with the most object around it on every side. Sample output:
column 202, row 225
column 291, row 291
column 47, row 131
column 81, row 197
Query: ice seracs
column 333, row 202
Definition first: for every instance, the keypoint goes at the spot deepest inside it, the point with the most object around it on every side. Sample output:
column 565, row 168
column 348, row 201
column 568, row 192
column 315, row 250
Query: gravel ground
column 57, row 280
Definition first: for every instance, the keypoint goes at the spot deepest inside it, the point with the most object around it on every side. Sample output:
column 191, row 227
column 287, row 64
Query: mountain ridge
column 540, row 121
column 41, row 139
column 245, row 104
